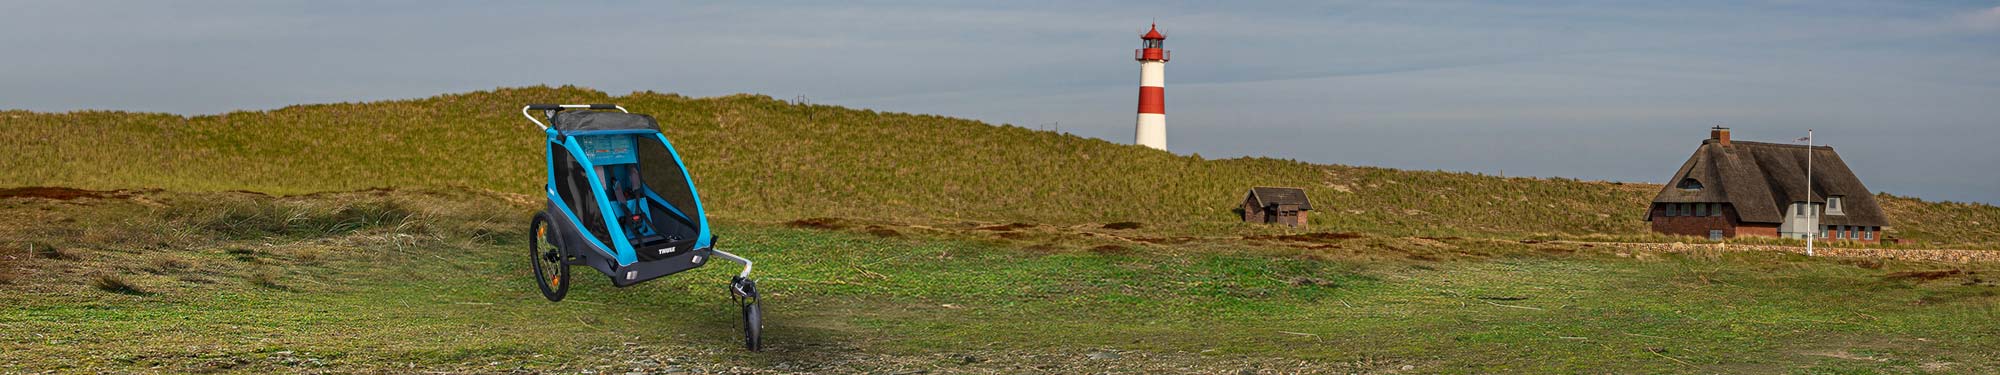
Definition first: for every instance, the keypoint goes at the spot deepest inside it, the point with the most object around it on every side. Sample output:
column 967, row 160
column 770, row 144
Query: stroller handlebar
column 551, row 110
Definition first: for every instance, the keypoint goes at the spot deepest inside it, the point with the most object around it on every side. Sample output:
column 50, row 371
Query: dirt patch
column 1122, row 225
column 1008, row 227
column 56, row 193
column 1865, row 263
column 826, row 223
column 884, row 232
column 1043, row 248
column 261, row 194
column 1309, row 237
column 1555, row 250
column 1310, row 282
column 1111, row 250
column 1922, row 275
column 376, row 191
column 1165, row 240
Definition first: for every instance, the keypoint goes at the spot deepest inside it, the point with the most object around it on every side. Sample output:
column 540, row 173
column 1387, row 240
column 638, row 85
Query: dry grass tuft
column 265, row 278
column 45, row 251
column 243, row 255
column 165, row 264
column 116, row 284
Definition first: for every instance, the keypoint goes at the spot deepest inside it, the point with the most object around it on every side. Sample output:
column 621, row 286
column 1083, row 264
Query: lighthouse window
column 1153, row 43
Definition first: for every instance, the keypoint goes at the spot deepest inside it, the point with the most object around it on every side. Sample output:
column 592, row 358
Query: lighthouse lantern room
column 1151, row 130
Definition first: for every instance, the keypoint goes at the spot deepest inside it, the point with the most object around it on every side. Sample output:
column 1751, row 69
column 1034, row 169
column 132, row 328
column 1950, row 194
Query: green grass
column 1430, row 269
column 760, row 159
column 442, row 288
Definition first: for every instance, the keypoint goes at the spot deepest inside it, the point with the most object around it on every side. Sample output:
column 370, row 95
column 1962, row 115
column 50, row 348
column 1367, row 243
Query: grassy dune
column 761, row 159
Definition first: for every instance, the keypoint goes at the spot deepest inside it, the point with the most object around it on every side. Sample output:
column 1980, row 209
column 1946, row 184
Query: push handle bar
column 558, row 107
column 551, row 110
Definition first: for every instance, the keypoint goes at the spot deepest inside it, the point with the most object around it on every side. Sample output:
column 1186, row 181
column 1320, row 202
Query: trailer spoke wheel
column 551, row 272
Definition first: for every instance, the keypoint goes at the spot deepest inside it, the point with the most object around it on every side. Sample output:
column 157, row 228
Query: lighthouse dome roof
column 1153, row 33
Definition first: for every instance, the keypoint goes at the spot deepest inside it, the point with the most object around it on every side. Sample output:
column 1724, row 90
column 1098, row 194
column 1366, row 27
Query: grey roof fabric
column 1267, row 196
column 593, row 120
column 1761, row 179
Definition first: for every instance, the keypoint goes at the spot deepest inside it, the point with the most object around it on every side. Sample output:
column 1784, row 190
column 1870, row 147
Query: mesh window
column 574, row 187
column 665, row 177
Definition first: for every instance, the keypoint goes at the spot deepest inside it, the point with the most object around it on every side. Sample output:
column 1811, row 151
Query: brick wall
column 1759, row 230
column 1698, row 226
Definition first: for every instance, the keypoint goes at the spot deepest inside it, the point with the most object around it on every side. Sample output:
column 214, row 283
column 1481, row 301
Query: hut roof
column 1268, row 196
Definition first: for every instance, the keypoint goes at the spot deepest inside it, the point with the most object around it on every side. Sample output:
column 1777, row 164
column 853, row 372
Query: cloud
column 1983, row 20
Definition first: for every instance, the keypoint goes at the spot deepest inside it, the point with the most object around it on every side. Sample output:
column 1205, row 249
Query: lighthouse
column 1151, row 130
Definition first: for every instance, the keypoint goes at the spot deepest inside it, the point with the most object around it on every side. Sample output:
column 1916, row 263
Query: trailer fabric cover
column 570, row 121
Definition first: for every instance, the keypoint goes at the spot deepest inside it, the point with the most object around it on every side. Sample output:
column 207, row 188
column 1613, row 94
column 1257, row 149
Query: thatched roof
column 1269, row 196
column 1761, row 179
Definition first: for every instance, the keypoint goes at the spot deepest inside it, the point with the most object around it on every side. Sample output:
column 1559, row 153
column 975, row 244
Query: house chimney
column 1719, row 134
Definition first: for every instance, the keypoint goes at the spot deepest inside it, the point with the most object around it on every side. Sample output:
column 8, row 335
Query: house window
column 1868, row 235
column 1669, row 209
column 1799, row 209
column 1714, row 234
column 1833, row 205
column 1689, row 184
column 1700, row 209
column 1823, row 231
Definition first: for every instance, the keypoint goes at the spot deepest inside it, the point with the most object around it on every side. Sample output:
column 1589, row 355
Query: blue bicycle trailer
column 620, row 202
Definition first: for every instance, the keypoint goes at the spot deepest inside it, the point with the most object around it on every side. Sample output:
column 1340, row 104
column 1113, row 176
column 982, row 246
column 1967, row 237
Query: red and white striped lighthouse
column 1151, row 130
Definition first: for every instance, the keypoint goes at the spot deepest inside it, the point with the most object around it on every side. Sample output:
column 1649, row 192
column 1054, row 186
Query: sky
column 1907, row 91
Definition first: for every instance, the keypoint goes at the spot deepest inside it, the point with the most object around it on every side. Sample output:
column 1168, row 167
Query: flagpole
column 1812, row 214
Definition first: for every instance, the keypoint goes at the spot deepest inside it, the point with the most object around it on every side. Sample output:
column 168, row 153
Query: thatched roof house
column 1729, row 188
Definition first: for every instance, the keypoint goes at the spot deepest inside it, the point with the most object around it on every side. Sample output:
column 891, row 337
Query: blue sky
column 1909, row 92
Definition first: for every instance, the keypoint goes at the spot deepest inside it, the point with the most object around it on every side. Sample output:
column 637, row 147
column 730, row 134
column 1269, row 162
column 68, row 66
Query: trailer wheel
column 551, row 273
